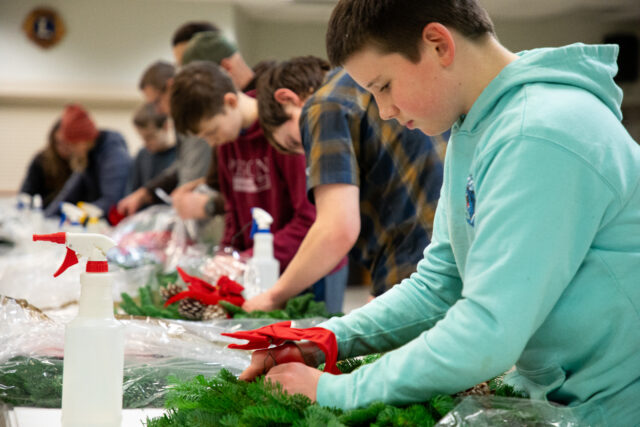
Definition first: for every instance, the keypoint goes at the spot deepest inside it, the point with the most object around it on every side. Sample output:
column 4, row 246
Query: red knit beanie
column 76, row 125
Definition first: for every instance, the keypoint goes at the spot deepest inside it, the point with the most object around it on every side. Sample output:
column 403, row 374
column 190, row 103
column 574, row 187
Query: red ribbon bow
column 279, row 333
column 226, row 289
column 114, row 216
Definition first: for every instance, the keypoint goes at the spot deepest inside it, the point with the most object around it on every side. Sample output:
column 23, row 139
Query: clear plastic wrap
column 153, row 235
column 157, row 235
column 12, row 221
column 493, row 411
column 226, row 261
column 155, row 349
column 29, row 276
column 17, row 226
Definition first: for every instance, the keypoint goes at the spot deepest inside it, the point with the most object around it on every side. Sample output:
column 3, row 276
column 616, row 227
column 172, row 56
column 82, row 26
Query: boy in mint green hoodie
column 535, row 257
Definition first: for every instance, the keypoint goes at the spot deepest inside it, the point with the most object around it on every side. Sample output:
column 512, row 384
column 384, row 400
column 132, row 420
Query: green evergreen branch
column 150, row 305
column 222, row 399
column 230, row 402
column 300, row 307
column 37, row 382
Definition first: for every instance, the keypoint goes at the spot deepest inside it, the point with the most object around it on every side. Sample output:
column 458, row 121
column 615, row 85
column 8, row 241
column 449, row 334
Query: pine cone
column 190, row 308
column 481, row 389
column 170, row 290
column 213, row 312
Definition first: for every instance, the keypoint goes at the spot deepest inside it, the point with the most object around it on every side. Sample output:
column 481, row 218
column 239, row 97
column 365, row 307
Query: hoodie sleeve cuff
column 332, row 390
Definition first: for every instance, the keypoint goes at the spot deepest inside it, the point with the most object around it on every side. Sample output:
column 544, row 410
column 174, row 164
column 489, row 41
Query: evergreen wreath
column 223, row 400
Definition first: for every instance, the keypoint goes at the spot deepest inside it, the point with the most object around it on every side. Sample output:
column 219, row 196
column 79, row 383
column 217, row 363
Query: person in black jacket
column 49, row 169
column 99, row 160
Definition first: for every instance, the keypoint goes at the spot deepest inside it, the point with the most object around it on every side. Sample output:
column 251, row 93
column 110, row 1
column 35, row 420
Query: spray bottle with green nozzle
column 94, row 340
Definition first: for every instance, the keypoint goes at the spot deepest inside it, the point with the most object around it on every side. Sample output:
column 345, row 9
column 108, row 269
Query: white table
column 38, row 417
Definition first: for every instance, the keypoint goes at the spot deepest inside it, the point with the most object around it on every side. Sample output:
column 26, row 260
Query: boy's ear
column 287, row 96
column 230, row 100
column 438, row 37
column 225, row 63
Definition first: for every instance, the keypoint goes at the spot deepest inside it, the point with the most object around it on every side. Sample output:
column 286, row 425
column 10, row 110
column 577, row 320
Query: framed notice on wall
column 44, row 27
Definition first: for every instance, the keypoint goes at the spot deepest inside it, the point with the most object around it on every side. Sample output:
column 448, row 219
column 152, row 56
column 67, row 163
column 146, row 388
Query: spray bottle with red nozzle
column 94, row 340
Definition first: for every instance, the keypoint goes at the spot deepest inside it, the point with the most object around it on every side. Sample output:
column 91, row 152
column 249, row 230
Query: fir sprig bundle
column 224, row 400
column 150, row 305
column 27, row 381
column 300, row 307
column 349, row 365
column 37, row 382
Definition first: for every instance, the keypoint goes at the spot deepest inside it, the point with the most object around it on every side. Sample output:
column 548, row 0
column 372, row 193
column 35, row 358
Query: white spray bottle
column 94, row 341
column 263, row 266
column 95, row 223
column 36, row 203
column 37, row 215
column 72, row 217
column 23, row 201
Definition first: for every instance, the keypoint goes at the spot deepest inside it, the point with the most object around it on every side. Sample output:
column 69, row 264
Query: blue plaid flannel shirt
column 398, row 171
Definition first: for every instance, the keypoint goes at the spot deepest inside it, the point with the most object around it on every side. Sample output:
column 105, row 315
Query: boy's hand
column 263, row 360
column 134, row 201
column 296, row 378
column 277, row 363
column 264, row 302
column 187, row 187
column 189, row 205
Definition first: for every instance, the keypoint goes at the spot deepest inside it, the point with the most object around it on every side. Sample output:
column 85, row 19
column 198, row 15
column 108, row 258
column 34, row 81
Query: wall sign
column 44, row 27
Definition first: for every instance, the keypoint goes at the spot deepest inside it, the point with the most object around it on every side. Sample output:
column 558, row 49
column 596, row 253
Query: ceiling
column 320, row 10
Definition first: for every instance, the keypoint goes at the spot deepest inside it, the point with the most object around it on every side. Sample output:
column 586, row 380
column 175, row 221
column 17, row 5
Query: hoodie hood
column 589, row 67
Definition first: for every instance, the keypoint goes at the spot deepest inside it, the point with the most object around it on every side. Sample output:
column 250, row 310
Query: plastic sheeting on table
column 495, row 411
column 29, row 276
column 18, row 224
column 155, row 349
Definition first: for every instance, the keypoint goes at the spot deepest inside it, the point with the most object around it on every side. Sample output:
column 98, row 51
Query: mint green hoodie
column 535, row 257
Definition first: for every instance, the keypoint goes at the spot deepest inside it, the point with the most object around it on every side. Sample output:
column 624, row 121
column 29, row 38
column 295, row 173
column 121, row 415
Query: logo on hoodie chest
column 470, row 196
column 250, row 176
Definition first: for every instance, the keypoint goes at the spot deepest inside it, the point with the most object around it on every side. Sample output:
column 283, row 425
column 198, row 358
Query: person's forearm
column 321, row 250
column 167, row 180
column 191, row 185
column 70, row 192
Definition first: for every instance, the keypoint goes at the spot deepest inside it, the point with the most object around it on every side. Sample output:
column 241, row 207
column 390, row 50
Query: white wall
column 261, row 40
column 99, row 61
column 585, row 27
column 109, row 43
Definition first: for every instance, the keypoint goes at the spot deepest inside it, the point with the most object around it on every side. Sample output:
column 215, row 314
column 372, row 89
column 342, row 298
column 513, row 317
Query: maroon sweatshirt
column 254, row 174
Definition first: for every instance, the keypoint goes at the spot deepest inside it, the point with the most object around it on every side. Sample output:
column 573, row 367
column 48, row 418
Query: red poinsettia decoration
column 198, row 289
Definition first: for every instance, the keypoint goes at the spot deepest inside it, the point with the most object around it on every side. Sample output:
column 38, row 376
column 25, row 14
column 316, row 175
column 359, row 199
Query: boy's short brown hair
column 157, row 75
column 198, row 93
column 395, row 26
column 302, row 75
column 148, row 114
column 186, row 31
